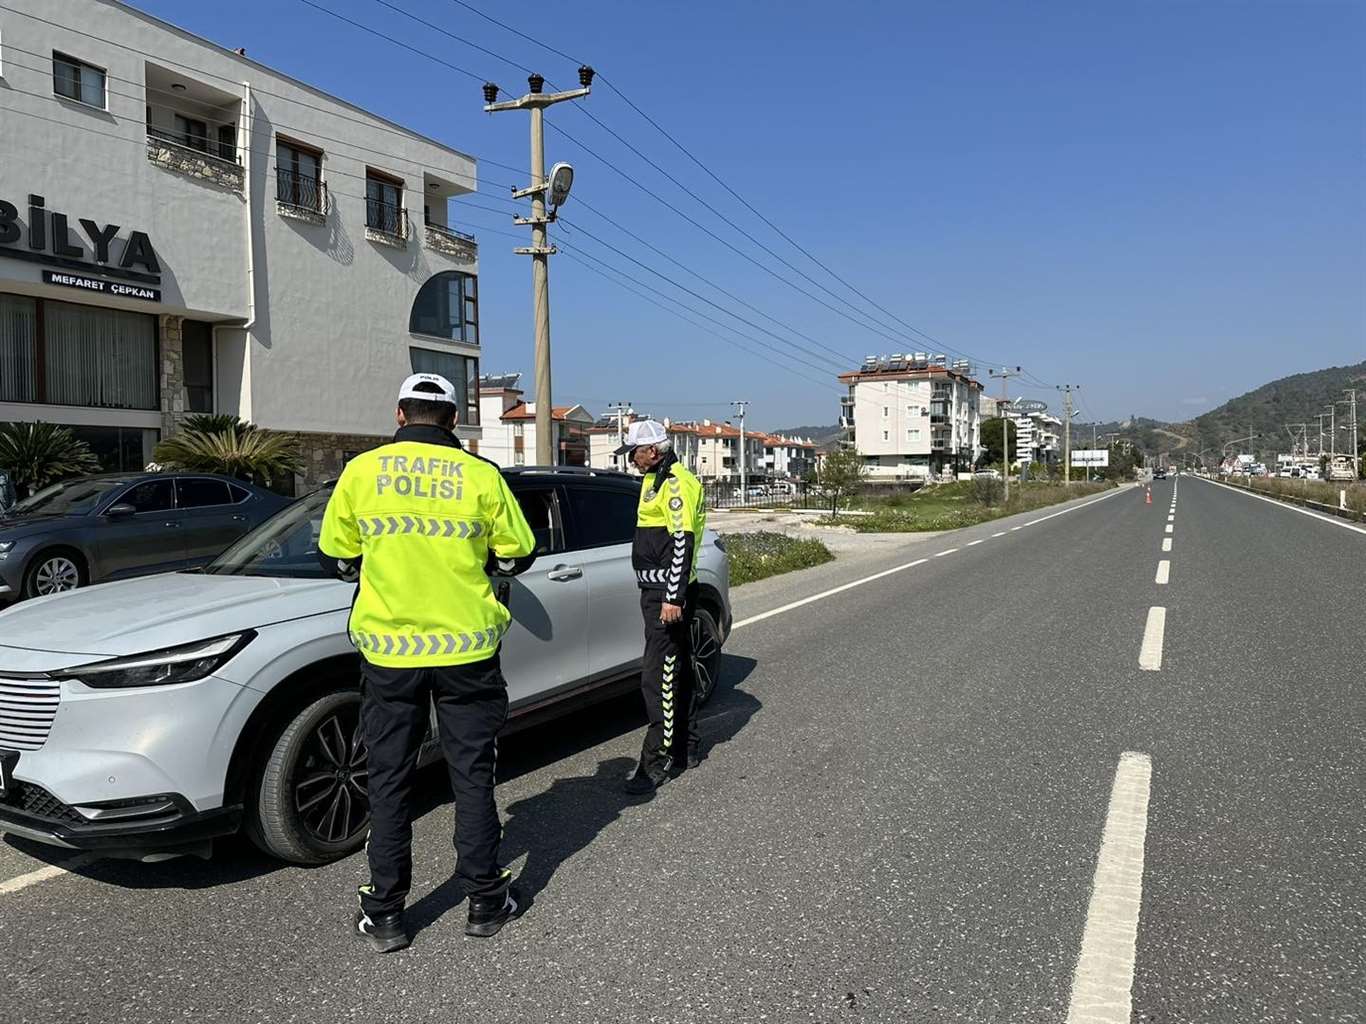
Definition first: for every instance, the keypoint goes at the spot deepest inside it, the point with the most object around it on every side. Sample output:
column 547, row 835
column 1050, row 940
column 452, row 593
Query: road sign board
column 1091, row 457
column 1028, row 406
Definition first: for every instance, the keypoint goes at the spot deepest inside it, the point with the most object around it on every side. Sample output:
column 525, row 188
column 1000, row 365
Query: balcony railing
column 300, row 192
column 447, row 240
column 386, row 218
column 195, row 157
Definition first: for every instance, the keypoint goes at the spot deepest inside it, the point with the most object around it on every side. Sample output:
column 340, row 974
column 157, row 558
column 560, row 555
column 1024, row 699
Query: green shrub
column 754, row 556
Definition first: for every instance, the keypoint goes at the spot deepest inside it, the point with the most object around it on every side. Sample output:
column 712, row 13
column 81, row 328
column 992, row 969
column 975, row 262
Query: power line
column 605, row 80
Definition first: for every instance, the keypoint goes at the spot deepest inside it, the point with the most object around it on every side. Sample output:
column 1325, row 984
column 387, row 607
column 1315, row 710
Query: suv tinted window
column 150, row 496
column 198, row 492
column 602, row 516
column 541, row 507
column 239, row 494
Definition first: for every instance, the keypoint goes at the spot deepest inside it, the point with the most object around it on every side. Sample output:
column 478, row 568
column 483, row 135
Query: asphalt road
column 948, row 793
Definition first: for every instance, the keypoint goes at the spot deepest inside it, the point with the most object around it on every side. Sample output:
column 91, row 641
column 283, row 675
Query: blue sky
column 1162, row 202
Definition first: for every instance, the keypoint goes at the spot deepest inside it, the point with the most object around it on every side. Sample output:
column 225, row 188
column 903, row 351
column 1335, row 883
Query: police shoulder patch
column 675, row 503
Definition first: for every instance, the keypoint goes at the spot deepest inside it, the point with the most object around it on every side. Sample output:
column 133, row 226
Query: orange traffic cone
column 1150, row 497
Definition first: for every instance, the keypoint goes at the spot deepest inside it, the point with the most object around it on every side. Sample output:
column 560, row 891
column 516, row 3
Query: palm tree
column 216, row 423
column 240, row 450
column 38, row 454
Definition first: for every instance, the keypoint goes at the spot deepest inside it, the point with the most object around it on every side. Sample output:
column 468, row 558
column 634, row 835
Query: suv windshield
column 72, row 498
column 285, row 545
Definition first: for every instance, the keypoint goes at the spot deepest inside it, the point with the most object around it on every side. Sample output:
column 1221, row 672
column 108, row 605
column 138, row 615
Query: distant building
column 913, row 416
column 509, row 426
column 1037, row 438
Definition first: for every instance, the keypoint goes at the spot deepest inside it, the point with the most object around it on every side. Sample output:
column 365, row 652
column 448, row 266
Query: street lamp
column 556, row 188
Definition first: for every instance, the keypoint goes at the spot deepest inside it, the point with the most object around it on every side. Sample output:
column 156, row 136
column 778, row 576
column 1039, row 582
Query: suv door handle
column 564, row 572
column 239, row 518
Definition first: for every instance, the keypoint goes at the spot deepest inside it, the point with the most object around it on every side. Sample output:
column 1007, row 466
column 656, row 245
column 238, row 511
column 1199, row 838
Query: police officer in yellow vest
column 670, row 520
column 420, row 522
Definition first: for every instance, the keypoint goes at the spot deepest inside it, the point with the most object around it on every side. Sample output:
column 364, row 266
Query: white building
column 1037, row 437
column 509, row 427
column 913, row 416
column 787, row 458
column 606, row 435
column 185, row 230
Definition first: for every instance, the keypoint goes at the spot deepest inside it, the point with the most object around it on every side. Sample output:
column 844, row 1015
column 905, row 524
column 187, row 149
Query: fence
column 783, row 494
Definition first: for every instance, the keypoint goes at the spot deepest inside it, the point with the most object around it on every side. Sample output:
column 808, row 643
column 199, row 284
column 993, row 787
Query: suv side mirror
column 120, row 510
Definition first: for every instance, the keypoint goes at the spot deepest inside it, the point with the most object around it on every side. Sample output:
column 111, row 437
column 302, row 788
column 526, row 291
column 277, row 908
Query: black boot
column 644, row 781
column 385, row 932
column 490, row 913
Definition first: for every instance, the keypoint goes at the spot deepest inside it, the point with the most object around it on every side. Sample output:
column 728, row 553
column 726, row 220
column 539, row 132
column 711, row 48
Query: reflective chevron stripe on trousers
column 471, row 704
column 666, row 683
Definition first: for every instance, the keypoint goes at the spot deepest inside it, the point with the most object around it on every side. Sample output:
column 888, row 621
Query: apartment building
column 605, row 437
column 1037, row 438
column 787, row 458
column 184, row 230
column 508, row 425
column 913, row 416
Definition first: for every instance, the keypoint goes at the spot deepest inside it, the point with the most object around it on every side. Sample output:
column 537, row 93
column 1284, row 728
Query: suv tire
column 310, row 804
column 706, row 645
column 61, row 567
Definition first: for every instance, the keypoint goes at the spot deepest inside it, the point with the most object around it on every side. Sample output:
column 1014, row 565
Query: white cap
column 643, row 432
column 409, row 389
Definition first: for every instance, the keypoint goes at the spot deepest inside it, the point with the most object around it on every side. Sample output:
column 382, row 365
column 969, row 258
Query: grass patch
column 756, row 556
column 951, row 506
column 1324, row 491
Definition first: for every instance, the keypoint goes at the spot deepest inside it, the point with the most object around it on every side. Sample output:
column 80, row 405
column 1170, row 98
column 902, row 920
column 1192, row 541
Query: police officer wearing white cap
column 421, row 523
column 670, row 520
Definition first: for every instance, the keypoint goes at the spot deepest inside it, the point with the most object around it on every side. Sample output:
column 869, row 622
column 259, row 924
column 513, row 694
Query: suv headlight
column 5, row 547
column 161, row 668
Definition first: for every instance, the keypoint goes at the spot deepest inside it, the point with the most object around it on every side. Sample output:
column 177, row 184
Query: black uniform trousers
column 666, row 682
column 471, row 707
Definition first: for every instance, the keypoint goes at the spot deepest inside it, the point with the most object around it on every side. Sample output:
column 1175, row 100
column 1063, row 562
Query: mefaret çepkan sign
column 1091, row 457
column 122, row 289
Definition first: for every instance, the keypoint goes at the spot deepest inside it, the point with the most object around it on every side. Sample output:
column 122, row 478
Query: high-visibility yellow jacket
column 670, row 520
column 422, row 515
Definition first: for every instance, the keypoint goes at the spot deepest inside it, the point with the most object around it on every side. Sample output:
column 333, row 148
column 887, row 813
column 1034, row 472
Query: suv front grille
column 27, row 708
column 35, row 800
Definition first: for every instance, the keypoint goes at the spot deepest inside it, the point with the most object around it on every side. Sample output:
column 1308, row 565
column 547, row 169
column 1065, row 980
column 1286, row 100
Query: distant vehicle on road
column 151, row 716
column 98, row 528
column 987, row 474
column 1159, row 474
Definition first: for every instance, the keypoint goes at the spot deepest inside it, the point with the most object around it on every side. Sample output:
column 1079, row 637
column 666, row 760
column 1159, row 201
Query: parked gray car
column 150, row 716
column 109, row 527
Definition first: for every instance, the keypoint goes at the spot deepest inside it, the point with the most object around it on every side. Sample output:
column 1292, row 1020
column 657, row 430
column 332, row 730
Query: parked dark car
column 110, row 527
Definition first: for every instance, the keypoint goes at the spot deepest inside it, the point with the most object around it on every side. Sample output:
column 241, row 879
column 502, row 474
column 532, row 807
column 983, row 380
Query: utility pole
column 1093, row 448
column 1351, row 394
column 1332, row 415
column 740, row 407
column 540, row 251
column 1067, row 390
column 1320, row 419
column 620, row 410
column 1005, row 375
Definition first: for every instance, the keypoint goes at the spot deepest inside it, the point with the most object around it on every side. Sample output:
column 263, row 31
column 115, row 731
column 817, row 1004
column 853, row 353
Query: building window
column 913, row 435
column 447, row 307
column 519, row 430
column 298, row 176
column 196, row 347
column 885, row 410
column 57, row 353
column 461, row 371
column 884, row 435
column 77, row 80
column 227, row 142
column 519, row 458
column 192, row 133
column 383, row 203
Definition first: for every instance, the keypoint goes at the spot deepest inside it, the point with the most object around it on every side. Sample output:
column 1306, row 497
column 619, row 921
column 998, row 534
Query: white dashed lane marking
column 1169, row 527
column 1166, row 543
column 941, row 554
column 1164, row 571
column 1102, row 985
column 1150, row 654
column 22, row 882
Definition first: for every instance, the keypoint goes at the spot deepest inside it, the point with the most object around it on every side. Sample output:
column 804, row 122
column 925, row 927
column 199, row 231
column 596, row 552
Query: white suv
column 148, row 717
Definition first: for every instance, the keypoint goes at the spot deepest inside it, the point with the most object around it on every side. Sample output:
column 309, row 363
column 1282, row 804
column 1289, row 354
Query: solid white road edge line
column 1294, row 508
column 1150, row 654
column 1164, row 571
column 886, row 572
column 21, row 882
column 1166, row 543
column 1102, row 985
